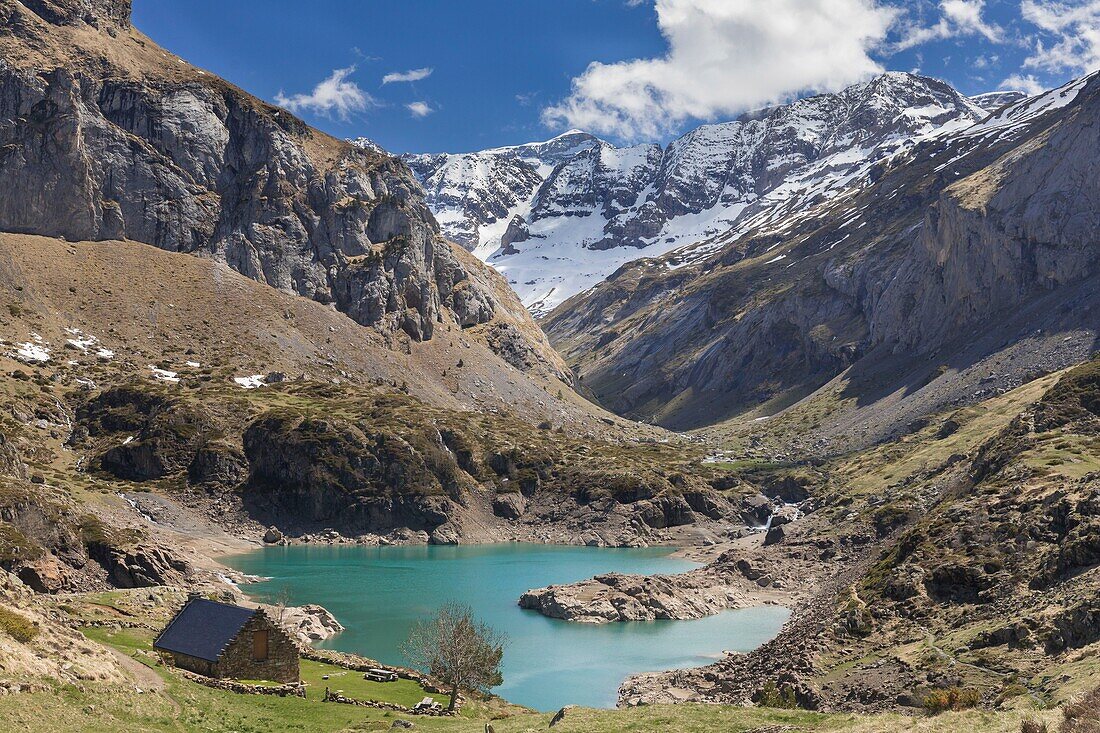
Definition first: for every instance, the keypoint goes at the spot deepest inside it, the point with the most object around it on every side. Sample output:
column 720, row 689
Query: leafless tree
column 457, row 649
column 282, row 601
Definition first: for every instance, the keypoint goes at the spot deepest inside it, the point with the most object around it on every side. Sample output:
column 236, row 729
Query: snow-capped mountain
column 993, row 101
column 558, row 217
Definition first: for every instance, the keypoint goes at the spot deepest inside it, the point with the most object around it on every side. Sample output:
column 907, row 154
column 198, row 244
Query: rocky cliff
column 103, row 135
column 967, row 229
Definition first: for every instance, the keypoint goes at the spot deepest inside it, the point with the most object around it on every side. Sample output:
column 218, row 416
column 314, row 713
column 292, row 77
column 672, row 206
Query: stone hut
column 222, row 640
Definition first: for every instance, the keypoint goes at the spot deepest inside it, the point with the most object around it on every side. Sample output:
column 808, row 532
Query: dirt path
column 145, row 677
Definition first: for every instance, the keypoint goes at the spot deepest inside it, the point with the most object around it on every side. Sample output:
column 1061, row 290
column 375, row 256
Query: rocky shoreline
column 613, row 597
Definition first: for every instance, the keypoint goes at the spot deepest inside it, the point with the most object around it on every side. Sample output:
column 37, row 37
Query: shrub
column 1083, row 714
column 952, row 698
column 16, row 626
column 1011, row 690
column 1031, row 725
column 772, row 696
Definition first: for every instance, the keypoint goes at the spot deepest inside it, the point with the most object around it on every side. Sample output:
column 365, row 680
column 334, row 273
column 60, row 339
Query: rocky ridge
column 969, row 229
column 559, row 216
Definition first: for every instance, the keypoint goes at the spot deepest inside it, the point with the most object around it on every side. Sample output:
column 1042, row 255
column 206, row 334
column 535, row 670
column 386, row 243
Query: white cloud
column 335, row 96
column 526, row 99
column 1029, row 85
column 1075, row 27
column 410, row 75
column 419, row 109
column 958, row 18
column 725, row 56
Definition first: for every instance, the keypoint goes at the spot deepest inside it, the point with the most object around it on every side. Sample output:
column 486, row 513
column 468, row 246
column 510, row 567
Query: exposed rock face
column 10, row 462
column 993, row 101
column 576, row 193
column 473, row 192
column 111, row 15
column 166, row 435
column 1019, row 227
column 308, row 623
column 618, row 597
column 107, row 137
column 218, row 463
column 968, row 227
column 323, row 470
column 141, row 565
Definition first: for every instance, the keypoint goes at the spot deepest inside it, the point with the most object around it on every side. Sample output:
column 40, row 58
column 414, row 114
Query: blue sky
column 457, row 75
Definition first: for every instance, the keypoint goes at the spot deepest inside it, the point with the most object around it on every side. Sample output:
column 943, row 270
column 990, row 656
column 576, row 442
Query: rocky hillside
column 213, row 316
column 969, row 245
column 962, row 557
column 106, row 136
column 558, row 217
column 135, row 427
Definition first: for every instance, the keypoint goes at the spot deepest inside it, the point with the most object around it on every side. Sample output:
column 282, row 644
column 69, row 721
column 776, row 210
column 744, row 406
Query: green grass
column 182, row 706
column 17, row 626
column 351, row 683
column 127, row 641
column 185, row 706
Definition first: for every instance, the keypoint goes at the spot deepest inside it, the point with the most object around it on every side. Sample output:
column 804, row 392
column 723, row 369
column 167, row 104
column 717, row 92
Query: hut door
column 259, row 645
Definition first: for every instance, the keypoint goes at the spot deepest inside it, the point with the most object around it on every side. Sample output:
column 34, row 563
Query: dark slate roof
column 203, row 628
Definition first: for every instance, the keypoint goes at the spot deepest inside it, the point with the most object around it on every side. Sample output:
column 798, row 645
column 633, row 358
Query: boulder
column 774, row 536
column 560, row 715
column 44, row 575
column 509, row 506
column 755, row 510
column 308, row 624
column 444, row 534
column 273, row 536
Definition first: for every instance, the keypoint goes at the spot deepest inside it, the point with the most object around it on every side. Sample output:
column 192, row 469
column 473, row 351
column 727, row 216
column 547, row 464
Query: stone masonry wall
column 281, row 664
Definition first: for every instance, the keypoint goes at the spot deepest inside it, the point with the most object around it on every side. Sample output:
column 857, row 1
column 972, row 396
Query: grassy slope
column 185, row 706
column 174, row 704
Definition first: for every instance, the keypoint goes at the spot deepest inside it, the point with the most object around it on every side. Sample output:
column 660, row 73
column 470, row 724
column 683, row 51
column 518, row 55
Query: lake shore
column 578, row 663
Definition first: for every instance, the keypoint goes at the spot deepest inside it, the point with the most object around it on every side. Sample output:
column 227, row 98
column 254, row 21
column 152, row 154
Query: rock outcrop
column 140, row 565
column 617, row 597
column 106, row 136
column 308, row 624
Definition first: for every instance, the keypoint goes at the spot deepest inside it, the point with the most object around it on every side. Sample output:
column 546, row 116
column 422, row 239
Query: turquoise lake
column 378, row 592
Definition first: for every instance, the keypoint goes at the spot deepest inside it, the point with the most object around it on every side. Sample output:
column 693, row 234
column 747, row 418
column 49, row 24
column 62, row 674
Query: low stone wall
column 288, row 690
column 345, row 700
column 78, row 623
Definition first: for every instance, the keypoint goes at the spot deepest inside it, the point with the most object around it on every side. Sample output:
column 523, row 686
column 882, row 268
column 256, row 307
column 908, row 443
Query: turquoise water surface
column 378, row 592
